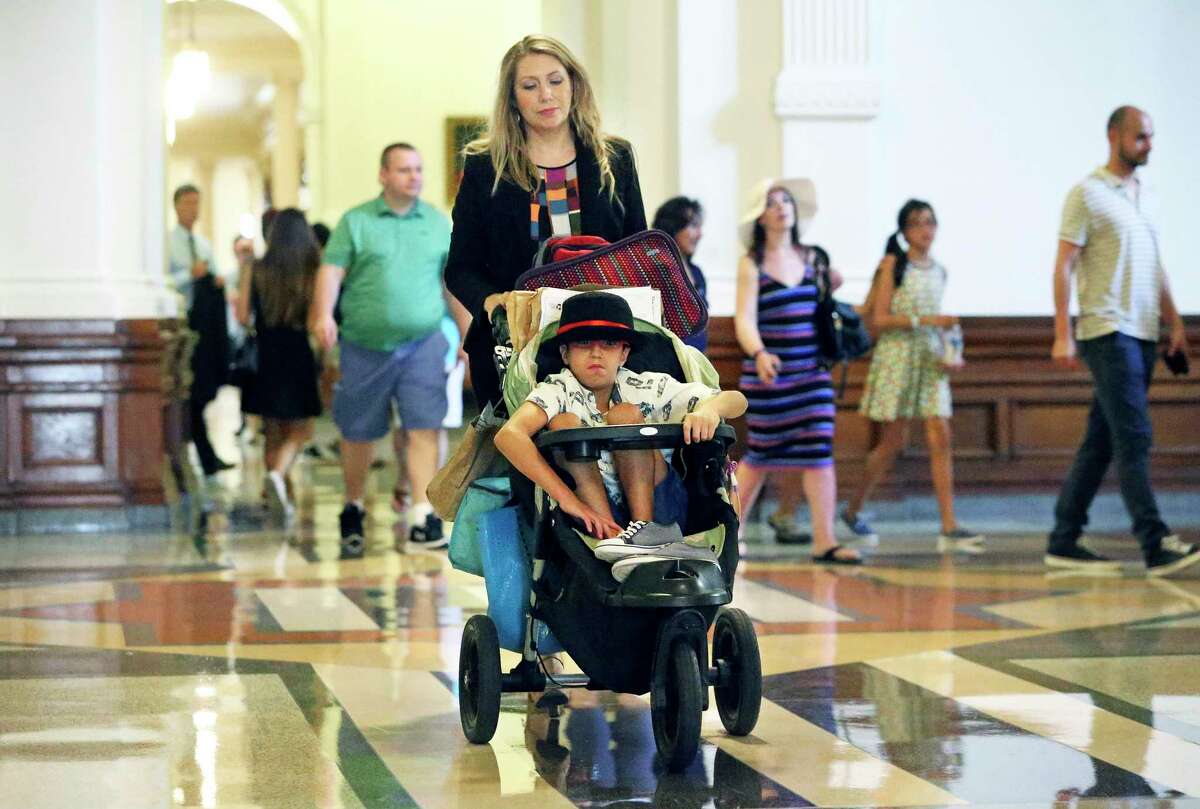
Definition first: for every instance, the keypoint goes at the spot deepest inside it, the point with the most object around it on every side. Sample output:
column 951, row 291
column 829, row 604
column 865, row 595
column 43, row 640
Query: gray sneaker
column 637, row 539
column 667, row 553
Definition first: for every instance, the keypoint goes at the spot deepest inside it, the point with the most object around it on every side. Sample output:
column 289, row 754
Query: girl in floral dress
column 908, row 378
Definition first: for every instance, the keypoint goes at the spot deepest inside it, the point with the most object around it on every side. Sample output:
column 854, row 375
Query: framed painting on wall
column 459, row 132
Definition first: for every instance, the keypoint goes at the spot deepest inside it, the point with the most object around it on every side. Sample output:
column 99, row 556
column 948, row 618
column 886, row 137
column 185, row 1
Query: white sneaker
column 961, row 540
column 622, row 568
column 638, row 538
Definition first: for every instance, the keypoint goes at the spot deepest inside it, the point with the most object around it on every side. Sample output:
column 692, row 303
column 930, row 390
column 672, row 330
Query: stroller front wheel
column 735, row 654
column 479, row 679
column 676, row 717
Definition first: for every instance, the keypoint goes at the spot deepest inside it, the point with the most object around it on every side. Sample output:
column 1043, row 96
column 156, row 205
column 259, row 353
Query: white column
column 81, row 188
column 827, row 96
column 285, row 156
column 707, row 157
column 314, row 162
column 206, row 168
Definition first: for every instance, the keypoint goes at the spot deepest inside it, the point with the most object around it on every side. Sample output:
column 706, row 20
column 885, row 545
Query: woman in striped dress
column 791, row 407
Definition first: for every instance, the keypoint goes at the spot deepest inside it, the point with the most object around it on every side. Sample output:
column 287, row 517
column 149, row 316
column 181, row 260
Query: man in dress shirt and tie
column 192, row 271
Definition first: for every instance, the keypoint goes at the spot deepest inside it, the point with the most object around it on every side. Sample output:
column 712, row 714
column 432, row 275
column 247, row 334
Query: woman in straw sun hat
column 791, row 408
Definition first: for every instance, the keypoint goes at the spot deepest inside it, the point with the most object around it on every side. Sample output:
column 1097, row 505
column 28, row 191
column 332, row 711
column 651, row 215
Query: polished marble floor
column 232, row 663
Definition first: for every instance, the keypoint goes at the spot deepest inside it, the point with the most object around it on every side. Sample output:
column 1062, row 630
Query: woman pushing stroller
column 637, row 489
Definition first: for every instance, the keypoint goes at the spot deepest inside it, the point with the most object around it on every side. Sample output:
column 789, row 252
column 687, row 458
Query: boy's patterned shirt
column 661, row 398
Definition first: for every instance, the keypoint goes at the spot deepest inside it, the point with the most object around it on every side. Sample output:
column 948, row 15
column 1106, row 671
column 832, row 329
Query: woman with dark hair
column 544, row 168
column 908, row 378
column 683, row 218
column 285, row 391
column 791, row 409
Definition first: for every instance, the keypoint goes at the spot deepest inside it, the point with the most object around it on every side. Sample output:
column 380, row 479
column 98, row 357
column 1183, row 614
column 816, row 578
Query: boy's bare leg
column 639, row 470
column 589, row 485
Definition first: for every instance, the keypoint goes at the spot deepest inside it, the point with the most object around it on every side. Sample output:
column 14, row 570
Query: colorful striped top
column 559, row 194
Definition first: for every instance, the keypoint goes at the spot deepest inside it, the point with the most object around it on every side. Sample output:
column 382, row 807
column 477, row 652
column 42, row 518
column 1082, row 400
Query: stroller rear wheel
column 479, row 679
column 735, row 654
column 676, row 718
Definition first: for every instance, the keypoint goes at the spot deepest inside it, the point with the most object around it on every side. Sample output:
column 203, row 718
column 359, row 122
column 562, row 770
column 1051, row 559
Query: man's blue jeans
column 1118, row 428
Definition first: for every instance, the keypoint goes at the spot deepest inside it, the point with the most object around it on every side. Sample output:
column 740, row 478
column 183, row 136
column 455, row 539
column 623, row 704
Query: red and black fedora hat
column 596, row 316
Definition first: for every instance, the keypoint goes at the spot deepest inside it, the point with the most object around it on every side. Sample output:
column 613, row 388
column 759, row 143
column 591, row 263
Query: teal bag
column 502, row 540
column 484, row 495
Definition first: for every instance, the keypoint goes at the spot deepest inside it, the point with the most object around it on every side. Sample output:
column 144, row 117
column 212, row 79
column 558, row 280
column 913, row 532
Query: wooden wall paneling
column 81, row 406
column 1018, row 419
column 142, row 461
column 5, row 480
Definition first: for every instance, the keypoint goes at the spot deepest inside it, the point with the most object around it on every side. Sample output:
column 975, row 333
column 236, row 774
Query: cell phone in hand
column 1177, row 362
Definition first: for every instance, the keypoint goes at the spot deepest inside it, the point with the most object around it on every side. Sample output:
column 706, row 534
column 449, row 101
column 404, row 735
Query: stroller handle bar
column 586, row 443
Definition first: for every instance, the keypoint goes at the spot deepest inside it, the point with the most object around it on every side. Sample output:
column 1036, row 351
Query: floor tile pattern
column 235, row 663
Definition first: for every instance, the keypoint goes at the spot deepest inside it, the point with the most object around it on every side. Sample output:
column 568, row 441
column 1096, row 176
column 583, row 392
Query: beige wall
column 378, row 71
column 752, row 123
column 372, row 91
column 628, row 49
column 633, row 52
column 729, row 55
column 396, row 71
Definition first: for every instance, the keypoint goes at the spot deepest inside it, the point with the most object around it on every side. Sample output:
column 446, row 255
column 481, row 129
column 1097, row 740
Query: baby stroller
column 650, row 632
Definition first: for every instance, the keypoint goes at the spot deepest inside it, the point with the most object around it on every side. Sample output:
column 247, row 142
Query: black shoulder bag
column 243, row 367
column 841, row 334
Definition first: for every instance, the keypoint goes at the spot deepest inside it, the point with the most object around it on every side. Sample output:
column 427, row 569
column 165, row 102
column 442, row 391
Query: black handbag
column 841, row 334
column 243, row 370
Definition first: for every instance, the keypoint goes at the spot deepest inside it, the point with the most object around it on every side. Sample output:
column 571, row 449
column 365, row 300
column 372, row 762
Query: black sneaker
column 1078, row 557
column 429, row 535
column 351, row 523
column 1172, row 556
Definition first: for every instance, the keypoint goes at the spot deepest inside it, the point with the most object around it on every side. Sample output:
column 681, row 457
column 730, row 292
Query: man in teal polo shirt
column 386, row 257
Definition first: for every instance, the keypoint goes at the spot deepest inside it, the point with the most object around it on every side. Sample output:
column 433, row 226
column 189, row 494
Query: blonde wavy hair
column 505, row 141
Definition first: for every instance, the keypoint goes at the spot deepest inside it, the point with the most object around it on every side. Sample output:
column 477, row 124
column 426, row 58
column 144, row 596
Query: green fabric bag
column 483, row 495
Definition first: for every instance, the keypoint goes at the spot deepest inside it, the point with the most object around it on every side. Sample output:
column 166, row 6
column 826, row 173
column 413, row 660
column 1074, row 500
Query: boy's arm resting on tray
column 515, row 442
column 701, row 424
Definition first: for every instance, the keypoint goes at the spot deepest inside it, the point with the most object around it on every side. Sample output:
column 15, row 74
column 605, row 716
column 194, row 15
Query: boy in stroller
column 636, row 488
column 667, row 629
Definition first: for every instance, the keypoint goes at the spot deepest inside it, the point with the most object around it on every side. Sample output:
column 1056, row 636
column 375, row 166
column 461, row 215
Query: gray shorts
column 412, row 376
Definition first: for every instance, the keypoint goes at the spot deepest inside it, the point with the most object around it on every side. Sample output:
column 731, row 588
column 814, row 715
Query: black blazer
column 210, row 357
column 490, row 245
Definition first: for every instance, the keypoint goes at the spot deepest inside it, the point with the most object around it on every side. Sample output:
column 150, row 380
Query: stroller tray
column 586, row 443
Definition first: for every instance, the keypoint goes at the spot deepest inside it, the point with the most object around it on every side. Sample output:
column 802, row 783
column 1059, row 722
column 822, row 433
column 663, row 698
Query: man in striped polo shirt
column 1109, row 241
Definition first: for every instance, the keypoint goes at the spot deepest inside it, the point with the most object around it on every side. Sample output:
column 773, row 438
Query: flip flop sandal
column 830, row 557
